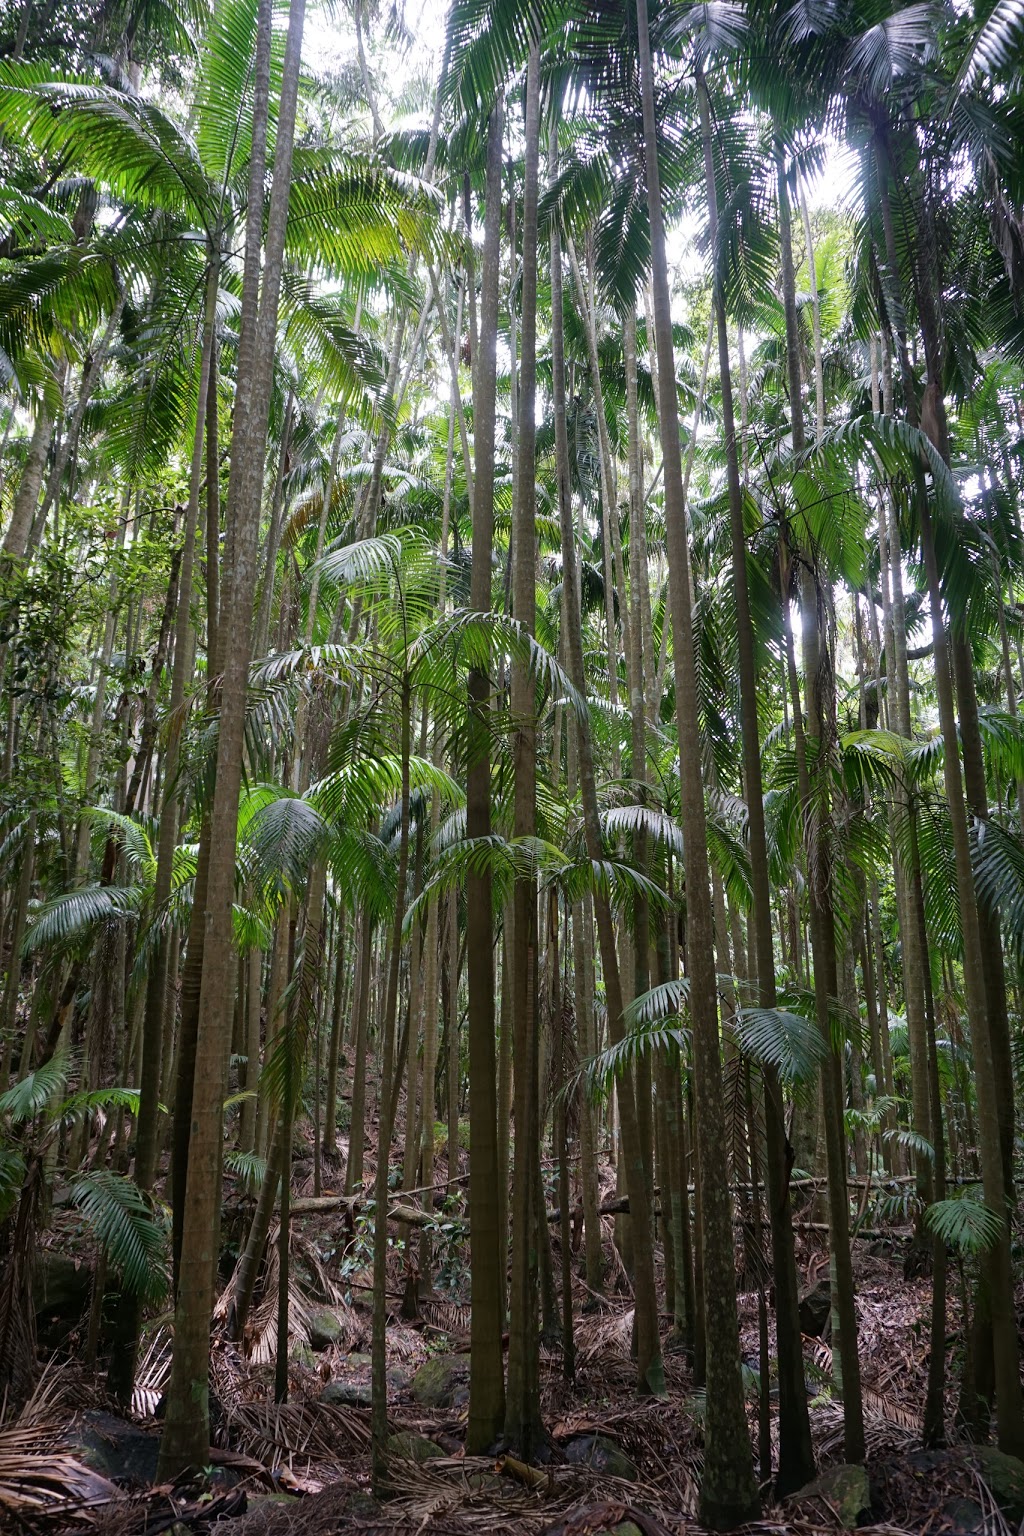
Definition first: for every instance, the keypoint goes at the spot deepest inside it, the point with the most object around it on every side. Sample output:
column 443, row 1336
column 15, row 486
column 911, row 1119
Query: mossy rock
column 846, row 1489
column 601, row 1455
column 325, row 1329
column 349, row 1394
column 625, row 1528
column 361, row 1505
column 1004, row 1475
column 413, row 1447
column 301, row 1354
column 441, row 1382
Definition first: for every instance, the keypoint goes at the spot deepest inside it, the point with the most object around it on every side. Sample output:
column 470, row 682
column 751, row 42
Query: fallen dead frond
column 452, row 1317
column 152, row 1374
column 48, row 1483
column 312, row 1434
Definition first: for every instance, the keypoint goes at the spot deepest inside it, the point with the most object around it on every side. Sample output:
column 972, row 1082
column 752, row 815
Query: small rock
column 816, row 1310
column 325, row 1329
column 965, row 1517
column 413, row 1447
column 361, row 1505
column 601, row 1455
column 580, row 1519
column 1004, row 1475
column 62, row 1291
column 484, row 1482
column 350, row 1394
column 846, row 1489
column 114, row 1448
column 441, row 1382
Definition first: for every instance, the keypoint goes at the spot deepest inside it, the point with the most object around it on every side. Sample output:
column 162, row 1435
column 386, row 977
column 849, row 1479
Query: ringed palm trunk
column 185, row 1441
column 796, row 1454
column 378, row 1366
column 121, row 1377
column 650, row 1369
column 26, row 498
column 728, row 1491
column 823, row 936
column 523, row 1427
column 930, row 413
column 486, row 1379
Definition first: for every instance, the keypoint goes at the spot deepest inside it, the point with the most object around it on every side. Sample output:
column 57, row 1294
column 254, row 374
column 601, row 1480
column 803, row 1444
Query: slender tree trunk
column 820, row 727
column 361, row 1006
column 650, row 1370
column 796, row 1455
column 997, row 1268
column 186, row 1434
column 523, row 1428
column 486, row 1380
column 379, row 1380
column 728, row 1491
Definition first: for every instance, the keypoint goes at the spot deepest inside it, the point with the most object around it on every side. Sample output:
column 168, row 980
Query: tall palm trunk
column 522, row 1403
column 796, row 1455
column 930, row 413
column 26, row 497
column 650, row 1370
column 185, row 1440
column 728, row 1491
column 121, row 1377
column 378, row 1367
column 486, row 1379
column 823, row 937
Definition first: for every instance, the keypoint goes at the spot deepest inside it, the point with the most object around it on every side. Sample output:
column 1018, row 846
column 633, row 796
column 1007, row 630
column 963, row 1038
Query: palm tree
column 186, row 1435
column 728, row 1491
column 487, row 1383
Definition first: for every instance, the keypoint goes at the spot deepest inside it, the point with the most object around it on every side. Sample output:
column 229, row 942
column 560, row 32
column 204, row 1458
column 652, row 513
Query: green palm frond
column 965, row 1224
column 999, row 876
column 476, row 638
column 73, row 915
column 12, row 1175
column 30, row 220
column 89, row 1099
column 776, row 1037
column 249, row 1166
column 29, row 1097
column 911, row 1141
column 130, row 1232
column 119, row 139
column 132, row 836
column 643, row 818
column 282, row 839
column 996, row 44
column 641, row 1039
column 666, row 1001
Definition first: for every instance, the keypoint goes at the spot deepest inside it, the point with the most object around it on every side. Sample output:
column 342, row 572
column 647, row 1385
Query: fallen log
column 415, row 1216
column 409, row 1215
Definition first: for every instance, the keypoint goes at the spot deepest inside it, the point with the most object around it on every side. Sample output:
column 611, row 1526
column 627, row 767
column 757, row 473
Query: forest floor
column 618, row 1463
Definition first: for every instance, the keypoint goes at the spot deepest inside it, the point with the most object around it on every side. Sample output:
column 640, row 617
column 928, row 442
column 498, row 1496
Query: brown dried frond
column 45, row 1483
